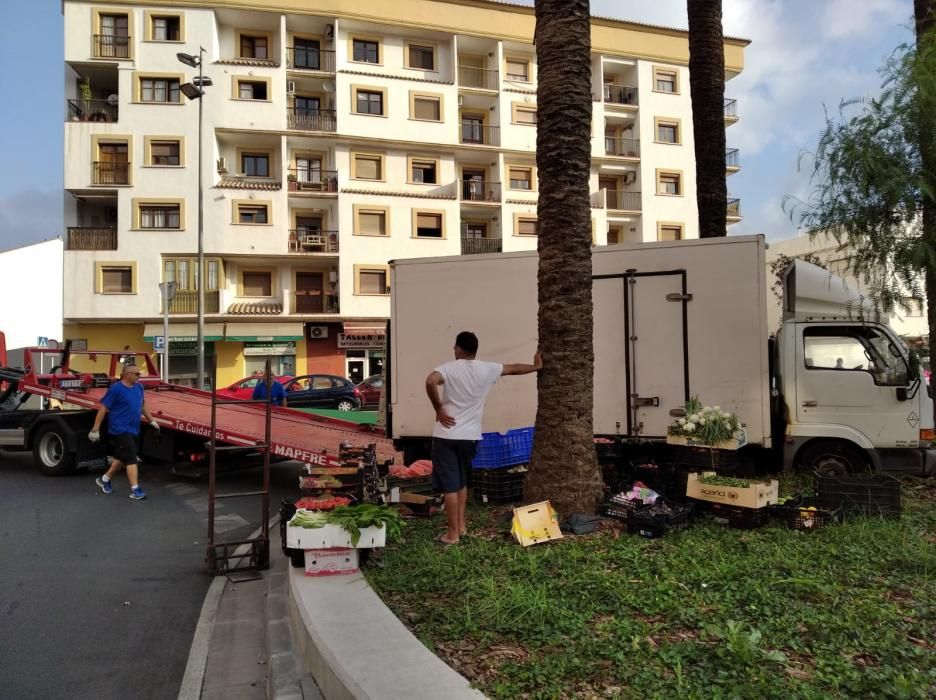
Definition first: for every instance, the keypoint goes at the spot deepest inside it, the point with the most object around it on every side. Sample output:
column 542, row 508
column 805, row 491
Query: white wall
column 31, row 293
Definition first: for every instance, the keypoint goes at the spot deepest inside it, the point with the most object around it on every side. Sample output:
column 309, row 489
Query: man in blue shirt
column 278, row 392
column 123, row 404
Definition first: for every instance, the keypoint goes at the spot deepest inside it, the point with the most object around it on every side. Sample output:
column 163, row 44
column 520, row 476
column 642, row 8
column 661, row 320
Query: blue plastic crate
column 498, row 450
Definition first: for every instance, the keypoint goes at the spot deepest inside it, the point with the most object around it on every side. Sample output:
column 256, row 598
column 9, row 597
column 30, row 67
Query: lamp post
column 168, row 290
column 195, row 91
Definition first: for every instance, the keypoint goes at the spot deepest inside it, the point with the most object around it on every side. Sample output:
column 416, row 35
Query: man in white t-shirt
column 459, row 407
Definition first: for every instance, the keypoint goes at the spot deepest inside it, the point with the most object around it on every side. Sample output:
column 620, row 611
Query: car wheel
column 345, row 405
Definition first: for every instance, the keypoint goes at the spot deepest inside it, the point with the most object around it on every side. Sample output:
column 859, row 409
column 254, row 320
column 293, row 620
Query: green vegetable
column 308, row 520
column 725, row 481
column 352, row 519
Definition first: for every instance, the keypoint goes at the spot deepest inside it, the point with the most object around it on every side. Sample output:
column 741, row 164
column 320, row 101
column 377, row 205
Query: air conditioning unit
column 630, row 177
column 329, row 31
column 290, row 87
column 461, row 101
column 222, row 165
column 317, row 332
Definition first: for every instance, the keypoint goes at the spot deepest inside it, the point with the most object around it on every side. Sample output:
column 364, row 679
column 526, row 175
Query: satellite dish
column 328, row 86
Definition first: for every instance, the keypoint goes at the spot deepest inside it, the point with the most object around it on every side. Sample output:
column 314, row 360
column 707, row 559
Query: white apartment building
column 337, row 136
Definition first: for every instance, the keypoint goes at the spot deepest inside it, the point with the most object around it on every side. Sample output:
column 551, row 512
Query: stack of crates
column 499, row 466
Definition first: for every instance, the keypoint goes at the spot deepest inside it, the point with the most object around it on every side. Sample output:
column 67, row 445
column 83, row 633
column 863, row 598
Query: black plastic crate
column 806, row 513
column 503, row 485
column 740, row 518
column 667, row 479
column 620, row 508
column 876, row 495
column 651, row 525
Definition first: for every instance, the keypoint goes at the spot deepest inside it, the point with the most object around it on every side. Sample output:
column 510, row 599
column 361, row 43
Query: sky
column 805, row 57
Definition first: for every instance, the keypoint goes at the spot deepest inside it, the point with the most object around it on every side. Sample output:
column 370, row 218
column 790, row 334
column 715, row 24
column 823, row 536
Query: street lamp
column 195, row 91
column 168, row 290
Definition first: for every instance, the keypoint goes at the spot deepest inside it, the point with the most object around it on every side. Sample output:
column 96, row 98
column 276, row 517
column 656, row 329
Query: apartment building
column 337, row 135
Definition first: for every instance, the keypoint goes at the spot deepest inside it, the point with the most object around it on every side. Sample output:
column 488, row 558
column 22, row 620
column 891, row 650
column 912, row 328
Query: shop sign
column 270, row 347
column 368, row 341
column 183, row 347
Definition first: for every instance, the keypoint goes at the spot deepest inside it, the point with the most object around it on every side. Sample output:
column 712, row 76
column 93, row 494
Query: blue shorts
column 451, row 464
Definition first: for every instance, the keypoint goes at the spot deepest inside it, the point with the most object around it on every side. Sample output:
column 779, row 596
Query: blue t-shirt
column 124, row 408
column 279, row 393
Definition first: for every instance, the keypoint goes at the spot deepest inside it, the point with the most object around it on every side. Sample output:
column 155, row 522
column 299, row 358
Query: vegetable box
column 755, row 494
column 332, row 536
column 736, row 443
column 331, row 562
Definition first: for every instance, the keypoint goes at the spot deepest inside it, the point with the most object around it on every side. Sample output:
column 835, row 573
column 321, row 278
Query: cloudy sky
column 806, row 55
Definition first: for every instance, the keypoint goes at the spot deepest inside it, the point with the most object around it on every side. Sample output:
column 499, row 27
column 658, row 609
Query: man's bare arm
column 99, row 418
column 524, row 369
column 433, row 382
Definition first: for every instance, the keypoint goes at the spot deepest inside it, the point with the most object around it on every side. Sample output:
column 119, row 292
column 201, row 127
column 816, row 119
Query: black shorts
column 123, row 448
column 451, row 464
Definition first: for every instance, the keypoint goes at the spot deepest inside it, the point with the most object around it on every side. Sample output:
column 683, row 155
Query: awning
column 186, row 332
column 263, row 332
column 364, row 328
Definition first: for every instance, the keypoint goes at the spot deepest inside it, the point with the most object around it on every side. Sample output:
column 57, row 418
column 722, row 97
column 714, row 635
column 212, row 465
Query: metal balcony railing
column 312, row 119
column 731, row 109
column 482, row 78
column 90, row 238
column 310, row 59
column 314, row 302
column 312, row 180
column 620, row 95
column 110, row 173
column 111, row 46
column 480, row 191
column 621, row 200
column 305, row 240
column 185, row 301
column 90, row 111
column 629, row 148
column 480, row 135
column 732, row 158
column 478, row 246
column 734, row 208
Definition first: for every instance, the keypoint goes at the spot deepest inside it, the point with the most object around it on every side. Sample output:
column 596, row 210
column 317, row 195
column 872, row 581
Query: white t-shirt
column 467, row 383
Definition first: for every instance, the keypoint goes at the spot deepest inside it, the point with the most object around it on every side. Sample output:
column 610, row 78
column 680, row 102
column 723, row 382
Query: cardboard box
column 739, row 441
column 535, row 523
column 757, row 495
column 419, row 504
column 331, row 562
column 332, row 536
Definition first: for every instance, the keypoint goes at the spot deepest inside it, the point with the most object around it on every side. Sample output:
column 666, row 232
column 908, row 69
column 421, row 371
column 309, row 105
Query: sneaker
column 137, row 494
column 106, row 486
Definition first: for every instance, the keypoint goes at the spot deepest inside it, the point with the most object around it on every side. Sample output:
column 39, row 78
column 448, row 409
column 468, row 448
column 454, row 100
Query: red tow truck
column 58, row 436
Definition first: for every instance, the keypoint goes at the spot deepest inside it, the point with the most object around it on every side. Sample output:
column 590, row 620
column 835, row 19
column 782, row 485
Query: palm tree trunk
column 707, row 87
column 563, row 467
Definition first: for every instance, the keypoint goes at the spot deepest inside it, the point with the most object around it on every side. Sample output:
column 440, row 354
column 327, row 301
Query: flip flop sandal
column 443, row 542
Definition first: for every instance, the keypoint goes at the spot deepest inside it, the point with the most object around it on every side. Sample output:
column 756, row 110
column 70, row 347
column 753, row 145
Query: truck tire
column 51, row 453
column 833, row 458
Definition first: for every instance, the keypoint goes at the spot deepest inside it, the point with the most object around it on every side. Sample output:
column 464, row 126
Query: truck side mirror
column 902, row 393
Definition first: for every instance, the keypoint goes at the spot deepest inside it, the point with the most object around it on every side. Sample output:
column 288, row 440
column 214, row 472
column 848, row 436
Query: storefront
column 183, row 350
column 364, row 347
column 278, row 341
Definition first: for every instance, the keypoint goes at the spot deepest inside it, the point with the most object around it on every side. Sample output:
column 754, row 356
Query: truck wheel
column 345, row 405
column 833, row 458
column 51, row 453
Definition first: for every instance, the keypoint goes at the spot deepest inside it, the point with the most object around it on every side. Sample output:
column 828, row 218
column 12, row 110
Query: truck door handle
column 810, row 403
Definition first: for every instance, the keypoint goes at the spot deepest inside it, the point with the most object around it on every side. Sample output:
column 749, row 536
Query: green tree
column 563, row 466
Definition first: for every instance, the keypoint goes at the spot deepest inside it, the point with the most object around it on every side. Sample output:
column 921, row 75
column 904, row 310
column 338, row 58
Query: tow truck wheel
column 51, row 453
column 833, row 458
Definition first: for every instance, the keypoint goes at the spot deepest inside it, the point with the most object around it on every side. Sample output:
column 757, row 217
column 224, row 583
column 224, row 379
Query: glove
column 154, row 424
column 94, row 436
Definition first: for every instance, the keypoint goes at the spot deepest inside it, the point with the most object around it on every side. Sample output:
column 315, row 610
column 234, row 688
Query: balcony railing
column 731, row 109
column 185, row 301
column 311, row 119
column 478, row 246
column 620, row 95
column 629, row 148
column 312, row 180
column 315, row 302
column 90, row 238
column 621, row 200
column 480, row 135
column 480, row 191
column 111, row 173
column 734, row 209
column 111, row 46
column 482, row 78
column 732, row 158
column 304, row 240
column 322, row 60
column 90, row 111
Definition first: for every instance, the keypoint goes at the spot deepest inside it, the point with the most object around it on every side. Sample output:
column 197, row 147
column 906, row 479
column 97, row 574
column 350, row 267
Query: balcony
column 311, row 119
column 303, row 240
column 620, row 95
column 624, row 147
column 731, row 111
column 619, row 200
column 479, row 246
column 185, row 301
column 110, row 173
column 732, row 160
column 90, row 111
column 734, row 210
column 320, row 60
column 480, row 191
column 314, row 302
column 478, row 135
column 478, row 78
column 90, row 238
column 111, row 46
column 312, row 181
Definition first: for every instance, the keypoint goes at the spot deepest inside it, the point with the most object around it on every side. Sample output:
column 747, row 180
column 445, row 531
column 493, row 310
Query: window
column 526, row 226
column 429, row 224
column 367, row 166
column 474, row 229
column 162, row 216
column 371, row 280
column 254, row 47
column 184, row 272
column 520, row 178
column 164, row 153
column 159, row 90
column 524, row 114
column 370, row 221
column 424, row 172
column 665, row 81
column 518, row 69
column 255, row 164
column 420, row 56
column 426, row 107
column 667, row 131
column 165, row 28
column 113, row 38
column 252, row 89
column 369, row 102
column 257, row 284
column 669, row 183
column 306, row 54
column 365, row 51
column 116, row 279
column 669, row 232
column 253, row 214
column 321, row 383
column 855, row 349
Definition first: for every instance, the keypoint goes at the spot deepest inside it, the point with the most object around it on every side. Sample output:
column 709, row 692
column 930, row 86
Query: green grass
column 359, row 417
column 847, row 611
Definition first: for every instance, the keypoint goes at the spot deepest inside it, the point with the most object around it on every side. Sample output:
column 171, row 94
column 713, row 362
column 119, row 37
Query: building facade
column 337, row 136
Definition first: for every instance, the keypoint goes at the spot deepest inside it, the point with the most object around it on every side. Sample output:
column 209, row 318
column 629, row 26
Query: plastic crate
column 876, row 495
column 796, row 514
column 504, row 449
column 498, row 485
column 666, row 479
column 740, row 518
column 642, row 522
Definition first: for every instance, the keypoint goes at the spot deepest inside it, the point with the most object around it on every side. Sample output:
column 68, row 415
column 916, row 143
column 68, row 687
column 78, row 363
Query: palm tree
column 563, row 465
column 707, row 87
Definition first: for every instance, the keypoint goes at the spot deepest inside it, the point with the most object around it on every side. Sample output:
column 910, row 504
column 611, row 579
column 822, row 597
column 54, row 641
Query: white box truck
column 835, row 390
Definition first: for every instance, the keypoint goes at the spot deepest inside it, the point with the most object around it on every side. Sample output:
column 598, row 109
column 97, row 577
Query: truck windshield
column 855, row 349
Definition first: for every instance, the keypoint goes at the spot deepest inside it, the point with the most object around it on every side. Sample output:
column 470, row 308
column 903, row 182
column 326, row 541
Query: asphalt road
column 99, row 594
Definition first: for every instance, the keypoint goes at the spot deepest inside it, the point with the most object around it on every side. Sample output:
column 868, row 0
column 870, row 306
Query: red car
column 371, row 389
column 243, row 389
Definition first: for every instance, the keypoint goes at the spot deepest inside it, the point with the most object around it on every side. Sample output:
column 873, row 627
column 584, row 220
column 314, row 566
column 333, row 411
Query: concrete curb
column 194, row 675
column 286, row 680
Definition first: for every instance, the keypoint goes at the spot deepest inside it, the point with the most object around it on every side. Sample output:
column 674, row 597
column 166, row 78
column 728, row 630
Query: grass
column 846, row 611
column 359, row 417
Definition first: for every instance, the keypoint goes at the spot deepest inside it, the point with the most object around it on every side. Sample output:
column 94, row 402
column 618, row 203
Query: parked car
column 371, row 389
column 243, row 389
column 322, row 391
